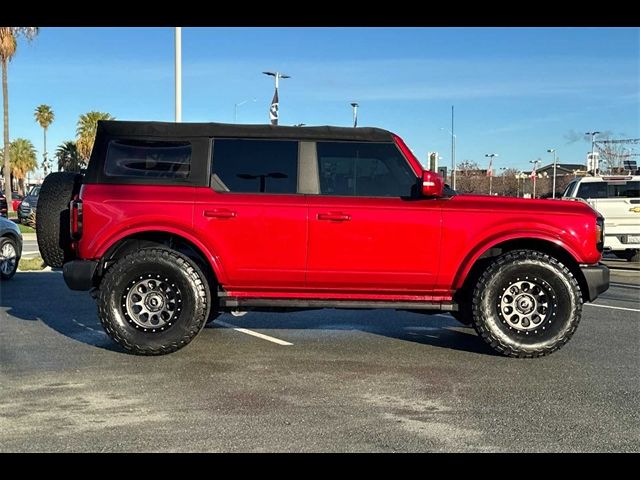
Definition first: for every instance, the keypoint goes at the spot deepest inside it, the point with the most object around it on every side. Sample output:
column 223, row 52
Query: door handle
column 219, row 213
column 334, row 216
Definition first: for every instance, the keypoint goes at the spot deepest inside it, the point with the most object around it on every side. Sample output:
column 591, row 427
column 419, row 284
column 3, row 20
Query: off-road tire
column 52, row 218
column 162, row 263
column 563, row 295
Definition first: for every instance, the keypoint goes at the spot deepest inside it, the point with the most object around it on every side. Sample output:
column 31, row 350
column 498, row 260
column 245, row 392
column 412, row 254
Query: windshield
column 569, row 190
column 35, row 191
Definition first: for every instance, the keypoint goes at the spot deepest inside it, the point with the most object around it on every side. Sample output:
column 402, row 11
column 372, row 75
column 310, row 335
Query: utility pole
column 453, row 153
column 178, row 73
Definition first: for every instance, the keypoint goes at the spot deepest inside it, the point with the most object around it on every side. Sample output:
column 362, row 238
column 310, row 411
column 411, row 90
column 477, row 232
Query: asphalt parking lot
column 349, row 381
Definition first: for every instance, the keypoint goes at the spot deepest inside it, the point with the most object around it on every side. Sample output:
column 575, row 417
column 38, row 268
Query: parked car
column 3, row 205
column 617, row 198
column 16, row 198
column 28, row 204
column 174, row 223
column 10, row 248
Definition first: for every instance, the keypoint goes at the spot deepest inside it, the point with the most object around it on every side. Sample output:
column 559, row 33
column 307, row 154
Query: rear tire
column 526, row 304
column 154, row 301
column 52, row 219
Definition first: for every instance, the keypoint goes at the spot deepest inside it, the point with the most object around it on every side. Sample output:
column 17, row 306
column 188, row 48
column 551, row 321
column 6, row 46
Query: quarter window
column 142, row 158
column 364, row 170
column 255, row 166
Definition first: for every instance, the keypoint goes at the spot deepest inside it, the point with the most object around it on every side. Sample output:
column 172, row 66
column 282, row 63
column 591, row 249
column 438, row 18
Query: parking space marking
column 614, row 308
column 624, row 285
column 252, row 333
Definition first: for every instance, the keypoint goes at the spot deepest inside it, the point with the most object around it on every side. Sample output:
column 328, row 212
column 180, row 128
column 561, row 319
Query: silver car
column 10, row 248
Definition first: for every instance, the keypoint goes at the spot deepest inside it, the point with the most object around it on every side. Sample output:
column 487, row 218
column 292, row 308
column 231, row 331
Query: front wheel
column 526, row 304
column 154, row 301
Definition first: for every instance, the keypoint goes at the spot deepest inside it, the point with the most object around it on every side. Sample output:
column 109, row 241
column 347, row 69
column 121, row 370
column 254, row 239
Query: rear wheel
column 154, row 301
column 526, row 304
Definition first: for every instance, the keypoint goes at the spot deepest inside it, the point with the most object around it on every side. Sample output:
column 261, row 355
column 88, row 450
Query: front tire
column 154, row 301
column 526, row 304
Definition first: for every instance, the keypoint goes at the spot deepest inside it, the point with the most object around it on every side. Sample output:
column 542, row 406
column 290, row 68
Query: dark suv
column 175, row 223
column 28, row 204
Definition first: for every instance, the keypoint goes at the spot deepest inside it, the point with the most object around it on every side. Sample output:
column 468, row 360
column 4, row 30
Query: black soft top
column 168, row 129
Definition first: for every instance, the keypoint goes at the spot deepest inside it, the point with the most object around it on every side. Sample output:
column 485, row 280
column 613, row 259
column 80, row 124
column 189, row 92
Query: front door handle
column 222, row 213
column 334, row 216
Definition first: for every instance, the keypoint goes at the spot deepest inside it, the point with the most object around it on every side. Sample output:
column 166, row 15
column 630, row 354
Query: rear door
column 252, row 216
column 366, row 231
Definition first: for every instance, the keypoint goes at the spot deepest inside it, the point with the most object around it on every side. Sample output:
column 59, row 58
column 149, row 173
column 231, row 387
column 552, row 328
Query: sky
column 516, row 91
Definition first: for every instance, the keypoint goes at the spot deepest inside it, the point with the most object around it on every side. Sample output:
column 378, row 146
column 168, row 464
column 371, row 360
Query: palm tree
column 68, row 158
column 44, row 116
column 8, row 43
column 86, row 131
column 23, row 160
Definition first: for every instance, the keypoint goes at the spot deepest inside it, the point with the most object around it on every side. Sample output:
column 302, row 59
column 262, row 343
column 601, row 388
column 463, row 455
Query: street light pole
column 178, row 72
column 593, row 160
column 235, row 108
column 553, row 150
column 534, row 174
column 355, row 106
column 490, row 171
column 453, row 154
column 275, row 103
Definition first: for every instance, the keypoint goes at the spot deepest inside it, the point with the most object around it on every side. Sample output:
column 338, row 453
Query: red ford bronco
column 173, row 224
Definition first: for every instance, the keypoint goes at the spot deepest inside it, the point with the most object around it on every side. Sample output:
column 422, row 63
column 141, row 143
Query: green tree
column 86, row 131
column 8, row 44
column 68, row 157
column 44, row 116
column 23, row 160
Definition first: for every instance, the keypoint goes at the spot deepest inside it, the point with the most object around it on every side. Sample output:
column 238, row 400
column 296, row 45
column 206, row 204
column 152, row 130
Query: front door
column 366, row 230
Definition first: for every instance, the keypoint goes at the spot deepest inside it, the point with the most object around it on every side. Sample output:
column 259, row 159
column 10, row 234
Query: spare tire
column 52, row 217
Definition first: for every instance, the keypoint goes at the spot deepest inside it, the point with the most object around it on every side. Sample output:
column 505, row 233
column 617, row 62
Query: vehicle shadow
column 438, row 330
column 43, row 296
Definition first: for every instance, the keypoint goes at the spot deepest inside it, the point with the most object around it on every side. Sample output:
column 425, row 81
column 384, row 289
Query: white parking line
column 614, row 308
column 251, row 332
column 625, row 285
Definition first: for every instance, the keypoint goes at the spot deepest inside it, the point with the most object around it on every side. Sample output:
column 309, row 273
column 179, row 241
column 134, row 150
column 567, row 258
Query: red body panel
column 312, row 246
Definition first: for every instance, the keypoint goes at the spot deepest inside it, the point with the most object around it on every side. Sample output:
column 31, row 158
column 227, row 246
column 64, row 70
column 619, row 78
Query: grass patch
column 26, row 229
column 31, row 263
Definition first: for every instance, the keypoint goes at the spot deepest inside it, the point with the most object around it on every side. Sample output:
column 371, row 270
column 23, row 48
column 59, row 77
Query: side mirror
column 432, row 184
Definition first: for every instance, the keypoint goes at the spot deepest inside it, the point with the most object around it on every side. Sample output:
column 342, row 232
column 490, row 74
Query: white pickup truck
column 617, row 198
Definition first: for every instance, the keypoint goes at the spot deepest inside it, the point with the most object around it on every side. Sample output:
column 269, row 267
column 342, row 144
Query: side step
column 235, row 302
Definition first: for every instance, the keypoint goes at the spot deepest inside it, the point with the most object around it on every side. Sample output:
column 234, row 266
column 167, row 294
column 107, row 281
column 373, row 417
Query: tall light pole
column 355, row 106
column 178, row 80
column 275, row 103
column 490, row 170
column 453, row 157
column 235, row 108
column 593, row 160
column 553, row 150
column 534, row 175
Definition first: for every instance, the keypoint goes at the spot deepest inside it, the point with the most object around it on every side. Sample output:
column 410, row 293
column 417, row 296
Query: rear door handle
column 334, row 216
column 219, row 213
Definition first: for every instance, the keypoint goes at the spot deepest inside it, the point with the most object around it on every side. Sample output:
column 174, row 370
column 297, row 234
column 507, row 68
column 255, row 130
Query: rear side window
column 255, row 166
column 149, row 159
column 364, row 170
column 609, row 190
